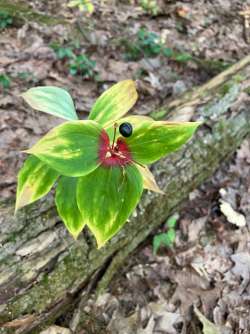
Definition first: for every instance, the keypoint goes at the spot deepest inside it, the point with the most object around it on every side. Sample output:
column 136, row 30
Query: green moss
column 22, row 13
column 226, row 88
column 212, row 66
column 247, row 90
column 238, row 78
column 12, row 237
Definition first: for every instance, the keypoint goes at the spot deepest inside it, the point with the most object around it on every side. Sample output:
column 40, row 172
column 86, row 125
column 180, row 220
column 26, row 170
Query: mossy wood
column 43, row 270
column 22, row 13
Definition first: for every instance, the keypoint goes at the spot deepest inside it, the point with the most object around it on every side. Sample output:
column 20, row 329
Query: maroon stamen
column 116, row 154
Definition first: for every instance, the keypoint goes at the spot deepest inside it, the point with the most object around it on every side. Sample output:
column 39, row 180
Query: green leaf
column 107, row 197
column 134, row 120
column 158, row 241
column 170, row 237
column 171, row 222
column 82, row 5
column 183, row 57
column 52, row 100
column 114, row 102
column 67, row 205
column 168, row 52
column 35, row 179
column 5, row 81
column 70, row 148
column 163, row 239
column 151, row 140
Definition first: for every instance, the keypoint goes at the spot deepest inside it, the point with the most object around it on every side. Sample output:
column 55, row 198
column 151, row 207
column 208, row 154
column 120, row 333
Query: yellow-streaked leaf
column 107, row 197
column 152, row 140
column 52, row 100
column 35, row 179
column 134, row 120
column 67, row 205
column 114, row 102
column 70, row 148
column 149, row 180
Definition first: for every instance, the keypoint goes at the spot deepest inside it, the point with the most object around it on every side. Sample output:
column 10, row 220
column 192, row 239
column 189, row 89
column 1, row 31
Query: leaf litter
column 204, row 278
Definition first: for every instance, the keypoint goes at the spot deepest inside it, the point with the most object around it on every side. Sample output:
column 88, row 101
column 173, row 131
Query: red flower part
column 113, row 155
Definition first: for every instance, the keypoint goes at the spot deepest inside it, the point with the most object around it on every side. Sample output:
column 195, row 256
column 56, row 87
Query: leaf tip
column 100, row 245
column 197, row 124
column 131, row 87
column 75, row 235
column 24, row 95
column 29, row 151
column 19, row 205
column 100, row 241
column 16, row 209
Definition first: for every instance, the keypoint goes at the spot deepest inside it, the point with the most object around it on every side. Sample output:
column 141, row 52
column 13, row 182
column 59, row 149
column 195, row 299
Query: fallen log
column 43, row 271
column 22, row 13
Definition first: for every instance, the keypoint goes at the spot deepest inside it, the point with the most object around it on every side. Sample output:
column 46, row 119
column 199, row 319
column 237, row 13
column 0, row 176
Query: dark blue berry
column 126, row 129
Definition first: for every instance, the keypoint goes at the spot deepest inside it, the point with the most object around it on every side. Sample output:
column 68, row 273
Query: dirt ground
column 208, row 267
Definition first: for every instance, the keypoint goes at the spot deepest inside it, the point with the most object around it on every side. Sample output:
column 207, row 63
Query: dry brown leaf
column 56, row 330
column 16, row 323
column 242, row 265
column 182, row 11
column 244, row 151
column 149, row 180
column 232, row 216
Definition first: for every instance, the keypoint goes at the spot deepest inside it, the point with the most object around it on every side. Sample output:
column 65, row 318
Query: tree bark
column 43, row 271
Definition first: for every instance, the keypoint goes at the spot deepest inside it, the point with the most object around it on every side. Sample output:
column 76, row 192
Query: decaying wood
column 24, row 14
column 43, row 270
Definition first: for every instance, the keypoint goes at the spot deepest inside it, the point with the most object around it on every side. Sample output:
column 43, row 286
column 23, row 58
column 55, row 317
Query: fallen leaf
column 164, row 320
column 232, row 216
column 195, row 228
column 242, row 264
column 182, row 11
column 183, row 115
column 149, row 181
column 16, row 323
column 56, row 330
column 208, row 326
column 149, row 329
column 244, row 151
column 123, row 325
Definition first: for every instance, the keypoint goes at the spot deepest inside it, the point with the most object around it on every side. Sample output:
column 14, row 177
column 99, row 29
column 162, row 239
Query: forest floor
column 183, row 46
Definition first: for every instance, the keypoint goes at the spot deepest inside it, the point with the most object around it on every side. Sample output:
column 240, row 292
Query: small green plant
column 84, row 66
column 148, row 44
column 5, row 20
column 165, row 239
column 100, row 164
column 82, row 5
column 150, row 6
column 5, row 81
column 62, row 52
column 78, row 64
column 26, row 76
